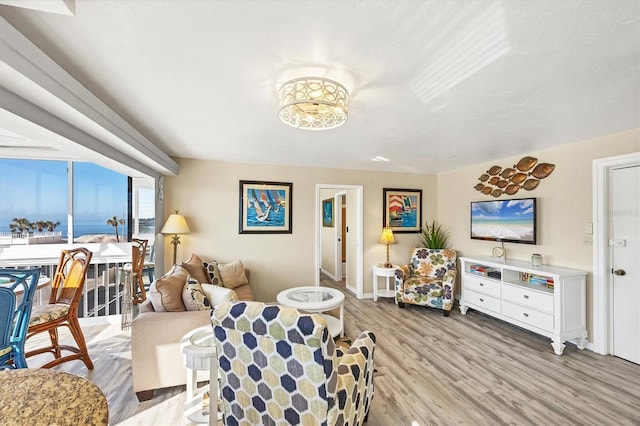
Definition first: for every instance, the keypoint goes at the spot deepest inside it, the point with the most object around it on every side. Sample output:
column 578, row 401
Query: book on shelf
column 536, row 279
column 480, row 269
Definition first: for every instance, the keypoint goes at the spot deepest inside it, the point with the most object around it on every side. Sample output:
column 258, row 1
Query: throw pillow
column 189, row 303
column 196, row 269
column 155, row 298
column 170, row 288
column 232, row 274
column 198, row 299
column 213, row 272
column 218, row 295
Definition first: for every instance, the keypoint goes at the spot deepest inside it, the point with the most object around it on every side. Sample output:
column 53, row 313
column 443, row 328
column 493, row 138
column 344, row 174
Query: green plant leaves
column 434, row 236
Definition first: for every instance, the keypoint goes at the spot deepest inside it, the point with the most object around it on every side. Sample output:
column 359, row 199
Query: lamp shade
column 175, row 224
column 387, row 236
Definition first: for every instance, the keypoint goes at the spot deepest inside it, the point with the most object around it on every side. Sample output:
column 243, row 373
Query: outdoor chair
column 14, row 315
column 139, row 251
column 280, row 366
column 62, row 309
column 149, row 267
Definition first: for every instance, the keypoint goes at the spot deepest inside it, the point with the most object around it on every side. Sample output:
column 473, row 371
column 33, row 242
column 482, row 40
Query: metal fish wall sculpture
column 525, row 174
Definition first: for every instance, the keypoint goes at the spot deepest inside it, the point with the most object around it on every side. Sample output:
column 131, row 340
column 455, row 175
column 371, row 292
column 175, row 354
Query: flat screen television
column 510, row 221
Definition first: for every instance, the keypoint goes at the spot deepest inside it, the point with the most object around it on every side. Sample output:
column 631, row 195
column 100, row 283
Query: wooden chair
column 62, row 310
column 139, row 251
column 14, row 316
column 149, row 267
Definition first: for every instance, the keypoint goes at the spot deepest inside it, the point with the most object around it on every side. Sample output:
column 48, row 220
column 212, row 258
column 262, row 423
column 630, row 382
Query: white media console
column 544, row 299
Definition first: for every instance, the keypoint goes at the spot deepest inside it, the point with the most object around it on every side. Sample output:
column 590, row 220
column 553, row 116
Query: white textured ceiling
column 435, row 85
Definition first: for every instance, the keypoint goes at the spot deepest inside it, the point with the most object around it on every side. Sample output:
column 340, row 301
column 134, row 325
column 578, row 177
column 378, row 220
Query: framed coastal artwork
column 327, row 212
column 265, row 207
column 402, row 209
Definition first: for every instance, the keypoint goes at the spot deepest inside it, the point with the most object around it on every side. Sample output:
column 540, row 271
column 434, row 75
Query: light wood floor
column 432, row 370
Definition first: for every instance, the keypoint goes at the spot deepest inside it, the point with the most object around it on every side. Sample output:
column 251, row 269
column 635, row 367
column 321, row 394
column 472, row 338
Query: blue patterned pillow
column 197, row 294
column 213, row 272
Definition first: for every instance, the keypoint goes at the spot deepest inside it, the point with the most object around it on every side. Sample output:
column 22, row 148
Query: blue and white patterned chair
column 279, row 366
column 428, row 280
column 14, row 316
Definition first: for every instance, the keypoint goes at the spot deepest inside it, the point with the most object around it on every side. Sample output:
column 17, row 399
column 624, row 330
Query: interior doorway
column 616, row 250
column 352, row 222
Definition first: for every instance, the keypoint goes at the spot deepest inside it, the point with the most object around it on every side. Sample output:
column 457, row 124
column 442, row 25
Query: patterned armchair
column 428, row 280
column 280, row 366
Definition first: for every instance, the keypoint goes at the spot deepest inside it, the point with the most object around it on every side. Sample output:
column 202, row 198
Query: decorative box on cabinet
column 547, row 300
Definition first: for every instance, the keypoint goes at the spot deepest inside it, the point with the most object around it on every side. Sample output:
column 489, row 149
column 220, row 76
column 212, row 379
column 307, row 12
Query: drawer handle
column 526, row 296
column 481, row 299
column 526, row 314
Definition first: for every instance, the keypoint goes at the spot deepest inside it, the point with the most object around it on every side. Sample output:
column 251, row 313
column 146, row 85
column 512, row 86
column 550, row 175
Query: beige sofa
column 156, row 360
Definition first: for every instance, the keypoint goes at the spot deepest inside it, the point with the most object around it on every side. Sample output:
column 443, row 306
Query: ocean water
column 89, row 228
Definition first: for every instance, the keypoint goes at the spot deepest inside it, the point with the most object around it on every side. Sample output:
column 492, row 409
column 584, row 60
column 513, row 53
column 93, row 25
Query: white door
column 624, row 234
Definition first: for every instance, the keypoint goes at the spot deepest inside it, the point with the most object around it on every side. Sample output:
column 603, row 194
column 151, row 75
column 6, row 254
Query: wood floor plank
column 431, row 370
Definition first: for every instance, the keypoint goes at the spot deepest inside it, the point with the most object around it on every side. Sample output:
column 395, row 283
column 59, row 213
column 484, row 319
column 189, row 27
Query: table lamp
column 387, row 238
column 175, row 224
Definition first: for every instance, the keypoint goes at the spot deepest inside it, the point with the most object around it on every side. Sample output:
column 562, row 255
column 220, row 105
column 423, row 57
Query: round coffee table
column 317, row 299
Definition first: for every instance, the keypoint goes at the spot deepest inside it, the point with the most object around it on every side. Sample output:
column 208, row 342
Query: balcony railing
column 102, row 294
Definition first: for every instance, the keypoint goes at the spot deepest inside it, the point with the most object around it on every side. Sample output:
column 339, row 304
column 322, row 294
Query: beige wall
column 564, row 204
column 206, row 192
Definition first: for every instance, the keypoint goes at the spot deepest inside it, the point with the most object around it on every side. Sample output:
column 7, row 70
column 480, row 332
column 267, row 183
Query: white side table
column 198, row 347
column 380, row 271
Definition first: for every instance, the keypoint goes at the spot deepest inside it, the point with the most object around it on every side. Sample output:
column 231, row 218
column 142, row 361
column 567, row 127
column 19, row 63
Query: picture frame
column 327, row 213
column 265, row 207
column 402, row 209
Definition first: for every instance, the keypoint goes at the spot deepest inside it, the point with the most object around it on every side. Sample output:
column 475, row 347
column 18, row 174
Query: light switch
column 589, row 228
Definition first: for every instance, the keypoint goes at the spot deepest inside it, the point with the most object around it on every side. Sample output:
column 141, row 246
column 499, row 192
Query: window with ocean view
column 34, row 206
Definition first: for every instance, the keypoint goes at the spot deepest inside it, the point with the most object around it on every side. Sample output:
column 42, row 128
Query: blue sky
column 37, row 190
column 504, row 209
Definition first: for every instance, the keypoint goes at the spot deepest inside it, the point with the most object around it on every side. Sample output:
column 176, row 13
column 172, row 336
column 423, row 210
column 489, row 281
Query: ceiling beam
column 30, row 74
column 61, row 7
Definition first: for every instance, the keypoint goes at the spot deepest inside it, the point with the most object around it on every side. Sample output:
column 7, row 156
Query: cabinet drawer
column 481, row 284
column 479, row 299
column 527, row 315
column 528, row 297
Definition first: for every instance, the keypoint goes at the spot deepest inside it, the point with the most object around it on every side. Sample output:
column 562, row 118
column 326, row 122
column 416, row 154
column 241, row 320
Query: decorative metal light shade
column 313, row 103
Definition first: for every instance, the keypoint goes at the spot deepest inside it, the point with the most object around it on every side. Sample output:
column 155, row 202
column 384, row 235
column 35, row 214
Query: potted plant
column 434, row 236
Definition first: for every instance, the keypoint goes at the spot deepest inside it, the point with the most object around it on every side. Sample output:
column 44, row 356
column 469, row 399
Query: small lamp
column 387, row 238
column 175, row 224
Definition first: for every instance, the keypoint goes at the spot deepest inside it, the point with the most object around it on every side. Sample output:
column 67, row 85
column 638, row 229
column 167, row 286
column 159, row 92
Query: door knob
column 619, row 272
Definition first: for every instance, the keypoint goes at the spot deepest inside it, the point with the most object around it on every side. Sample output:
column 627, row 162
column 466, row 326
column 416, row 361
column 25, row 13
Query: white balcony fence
column 102, row 294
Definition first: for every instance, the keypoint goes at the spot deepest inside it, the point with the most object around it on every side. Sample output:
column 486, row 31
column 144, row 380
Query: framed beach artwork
column 327, row 212
column 402, row 209
column 265, row 207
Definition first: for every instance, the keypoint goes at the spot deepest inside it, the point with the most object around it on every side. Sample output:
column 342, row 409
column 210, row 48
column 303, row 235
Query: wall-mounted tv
column 511, row 221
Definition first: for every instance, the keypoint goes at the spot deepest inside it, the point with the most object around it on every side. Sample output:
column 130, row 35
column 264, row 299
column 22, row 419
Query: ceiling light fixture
column 313, row 103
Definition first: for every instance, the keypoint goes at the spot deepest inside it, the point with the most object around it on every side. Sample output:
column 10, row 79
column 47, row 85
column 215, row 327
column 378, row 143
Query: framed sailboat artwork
column 402, row 209
column 265, row 207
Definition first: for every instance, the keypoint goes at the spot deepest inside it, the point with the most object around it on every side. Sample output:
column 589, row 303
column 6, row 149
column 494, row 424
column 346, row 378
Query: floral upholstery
column 279, row 366
column 428, row 280
column 45, row 313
